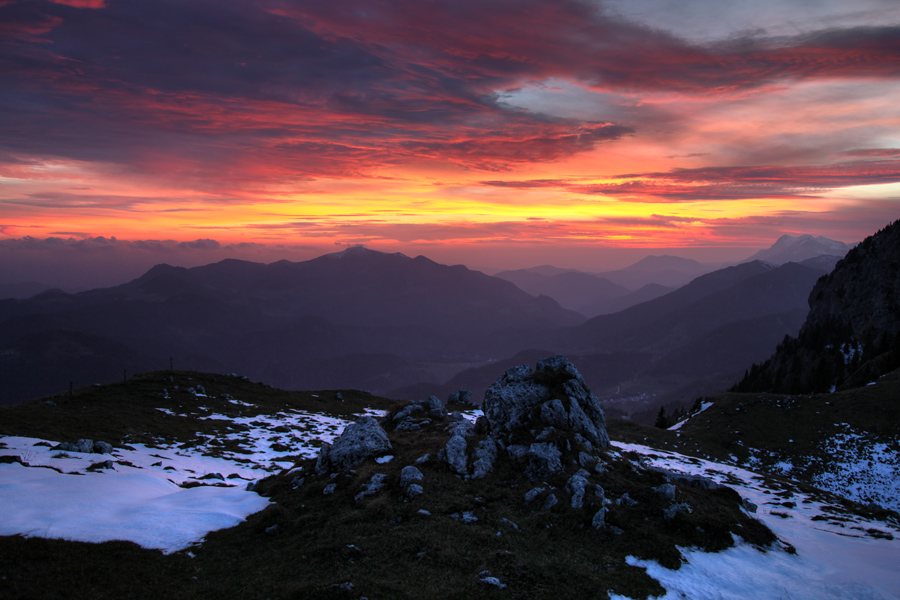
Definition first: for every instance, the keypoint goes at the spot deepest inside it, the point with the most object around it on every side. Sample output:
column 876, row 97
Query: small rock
column 599, row 520
column 329, row 489
column 666, row 490
column 748, row 505
column 423, row 459
column 550, row 501
column 492, row 581
column 423, row 512
column 465, row 517
column 576, row 486
column 409, row 475
column 626, row 500
column 414, row 491
column 485, row 456
column 372, row 487
column 455, row 451
column 533, row 493
column 544, row 460
column 669, row 513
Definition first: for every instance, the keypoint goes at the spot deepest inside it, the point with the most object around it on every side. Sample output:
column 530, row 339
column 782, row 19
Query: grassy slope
column 307, row 542
column 767, row 431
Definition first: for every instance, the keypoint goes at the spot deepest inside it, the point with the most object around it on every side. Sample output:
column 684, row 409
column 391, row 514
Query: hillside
column 851, row 335
column 356, row 318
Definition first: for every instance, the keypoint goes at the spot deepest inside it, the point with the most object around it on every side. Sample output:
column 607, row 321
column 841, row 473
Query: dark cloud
column 234, row 92
column 733, row 183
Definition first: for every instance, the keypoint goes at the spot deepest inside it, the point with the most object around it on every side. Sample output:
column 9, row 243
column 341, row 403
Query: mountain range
column 400, row 325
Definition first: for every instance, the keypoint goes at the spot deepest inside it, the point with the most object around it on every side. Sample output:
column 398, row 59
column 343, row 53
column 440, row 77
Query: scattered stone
column 461, row 427
column 510, row 523
column 550, row 501
column 666, row 490
column 485, row 456
column 626, row 500
column 434, row 407
column 410, row 475
column 342, row 587
column 329, row 489
column 455, row 452
column 748, row 505
column 545, row 434
column 586, row 460
column 576, row 487
column 213, row 476
column 669, row 513
column 492, row 581
column 410, row 424
column 359, row 441
column 695, row 481
column 423, row 459
column 414, row 490
column 482, row 425
column 423, row 512
column 599, row 520
column 600, row 493
column 466, row 517
column 83, row 445
column 543, row 461
column 533, row 493
column 272, row 528
column 372, row 487
column 106, row 464
column 460, row 397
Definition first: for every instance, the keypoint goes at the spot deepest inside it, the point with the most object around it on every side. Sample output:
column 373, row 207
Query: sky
column 487, row 132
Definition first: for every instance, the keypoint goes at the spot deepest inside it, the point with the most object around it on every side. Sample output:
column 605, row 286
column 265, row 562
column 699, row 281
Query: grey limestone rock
column 102, row 448
column 666, row 490
column 359, row 441
column 576, row 487
column 533, row 493
column 553, row 413
column 514, row 398
column 372, row 487
column 485, row 456
column 82, row 445
column 408, row 411
column 411, row 424
column 461, row 427
column 455, row 452
column 414, row 491
column 434, row 407
column 409, row 475
column 517, row 451
column 550, row 501
column 543, row 460
column 586, row 460
column 460, row 397
column 329, row 489
column 626, row 500
column 674, row 509
column 599, row 520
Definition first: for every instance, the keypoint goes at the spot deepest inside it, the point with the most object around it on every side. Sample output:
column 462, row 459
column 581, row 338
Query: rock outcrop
column 553, row 395
column 851, row 335
column 360, row 440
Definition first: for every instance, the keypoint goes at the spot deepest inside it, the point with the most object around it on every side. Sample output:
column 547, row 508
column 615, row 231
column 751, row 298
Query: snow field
column 837, row 555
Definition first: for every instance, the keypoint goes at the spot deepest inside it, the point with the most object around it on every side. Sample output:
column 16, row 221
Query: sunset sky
column 508, row 133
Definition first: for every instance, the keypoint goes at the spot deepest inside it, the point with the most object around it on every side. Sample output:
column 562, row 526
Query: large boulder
column 359, row 441
column 553, row 394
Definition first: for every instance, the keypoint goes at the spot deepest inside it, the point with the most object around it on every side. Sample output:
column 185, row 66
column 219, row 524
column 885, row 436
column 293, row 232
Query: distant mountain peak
column 666, row 262
column 358, row 251
column 789, row 248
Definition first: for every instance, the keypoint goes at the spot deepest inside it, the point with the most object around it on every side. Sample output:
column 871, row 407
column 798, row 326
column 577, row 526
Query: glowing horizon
column 456, row 126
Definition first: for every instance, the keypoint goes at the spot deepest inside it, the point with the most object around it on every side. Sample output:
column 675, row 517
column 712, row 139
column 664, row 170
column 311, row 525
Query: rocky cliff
column 852, row 332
